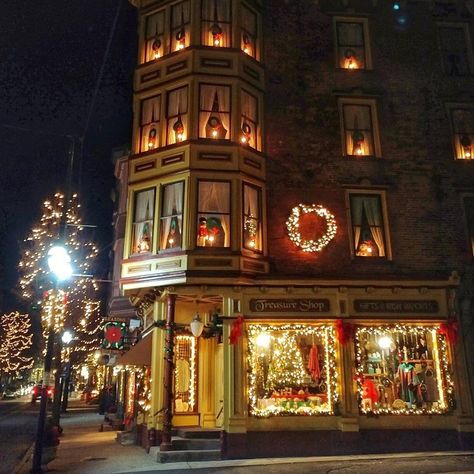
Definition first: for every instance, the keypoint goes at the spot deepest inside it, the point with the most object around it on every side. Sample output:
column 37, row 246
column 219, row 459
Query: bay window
column 177, row 115
column 248, row 33
column 150, row 123
column 214, row 111
column 180, row 25
column 249, row 133
column 252, row 223
column 216, row 23
column 351, row 44
column 143, row 216
column 213, row 219
column 462, row 121
column 171, row 216
column 155, row 36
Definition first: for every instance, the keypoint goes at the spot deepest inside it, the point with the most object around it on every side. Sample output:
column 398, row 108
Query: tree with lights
column 76, row 304
column 15, row 342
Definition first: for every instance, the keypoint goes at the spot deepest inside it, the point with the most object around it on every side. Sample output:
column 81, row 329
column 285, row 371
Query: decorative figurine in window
column 357, row 143
column 202, row 232
column 181, row 34
column 178, row 129
column 367, row 249
column 144, row 241
column 216, row 236
column 214, row 127
column 246, row 133
column 174, row 234
column 350, row 59
column 250, row 230
column 155, row 47
column 152, row 138
column 466, row 146
column 216, row 30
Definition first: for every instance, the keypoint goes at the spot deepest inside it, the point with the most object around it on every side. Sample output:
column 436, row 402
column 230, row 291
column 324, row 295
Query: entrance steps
column 191, row 444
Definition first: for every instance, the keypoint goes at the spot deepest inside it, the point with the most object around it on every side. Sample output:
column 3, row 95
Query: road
column 18, row 421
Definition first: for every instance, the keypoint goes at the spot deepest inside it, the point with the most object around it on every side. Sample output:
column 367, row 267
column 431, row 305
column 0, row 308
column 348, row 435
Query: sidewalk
column 83, row 449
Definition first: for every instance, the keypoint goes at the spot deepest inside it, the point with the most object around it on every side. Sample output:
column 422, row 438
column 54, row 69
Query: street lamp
column 66, row 338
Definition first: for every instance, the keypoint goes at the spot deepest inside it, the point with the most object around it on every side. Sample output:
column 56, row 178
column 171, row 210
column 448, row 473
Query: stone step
column 189, row 455
column 199, row 433
column 178, row 443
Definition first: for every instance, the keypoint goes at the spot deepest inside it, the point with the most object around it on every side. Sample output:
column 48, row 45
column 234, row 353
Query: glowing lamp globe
column 59, row 262
column 385, row 342
column 67, row 337
column 197, row 325
column 263, row 340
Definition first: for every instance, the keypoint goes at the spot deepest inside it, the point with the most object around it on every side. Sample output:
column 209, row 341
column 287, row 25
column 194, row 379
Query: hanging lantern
column 350, row 61
column 197, row 325
column 178, row 129
column 216, row 32
column 155, row 47
column 357, row 145
column 152, row 138
column 246, row 133
column 247, row 43
column 466, row 146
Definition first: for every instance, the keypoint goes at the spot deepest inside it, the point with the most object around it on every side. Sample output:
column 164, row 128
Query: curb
column 26, row 459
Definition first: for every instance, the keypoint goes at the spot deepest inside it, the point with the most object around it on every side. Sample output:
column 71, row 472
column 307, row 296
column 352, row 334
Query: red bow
column 236, row 330
column 344, row 331
column 449, row 330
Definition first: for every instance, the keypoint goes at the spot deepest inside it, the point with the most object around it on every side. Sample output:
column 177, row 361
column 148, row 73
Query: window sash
column 358, row 118
column 351, row 50
column 463, row 127
column 171, row 220
column 149, row 121
column 180, row 20
column 248, row 35
column 143, row 217
column 154, row 32
column 177, row 107
column 249, row 116
column 207, row 95
column 216, row 12
column 252, row 223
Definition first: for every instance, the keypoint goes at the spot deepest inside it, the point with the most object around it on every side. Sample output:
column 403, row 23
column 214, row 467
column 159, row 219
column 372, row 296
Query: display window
column 292, row 369
column 185, row 374
column 403, row 369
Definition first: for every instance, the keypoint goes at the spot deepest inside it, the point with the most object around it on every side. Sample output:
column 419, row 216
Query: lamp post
column 66, row 338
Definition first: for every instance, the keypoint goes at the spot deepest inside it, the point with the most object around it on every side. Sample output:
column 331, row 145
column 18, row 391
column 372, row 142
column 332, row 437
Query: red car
column 36, row 393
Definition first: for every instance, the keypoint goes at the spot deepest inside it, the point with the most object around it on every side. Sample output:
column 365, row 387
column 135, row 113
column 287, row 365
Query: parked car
column 36, row 393
column 9, row 393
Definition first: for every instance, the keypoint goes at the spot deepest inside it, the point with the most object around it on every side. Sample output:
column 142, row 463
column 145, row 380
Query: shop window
column 213, row 226
column 171, row 227
column 351, row 40
column 469, row 212
column 154, row 36
column 214, row 111
column 252, row 223
column 216, row 23
column 185, row 374
column 455, row 49
column 358, row 128
column 462, row 120
column 368, row 230
column 292, row 369
column 180, row 26
column 403, row 369
column 177, row 115
column 142, row 237
column 249, row 120
column 150, row 123
column 248, row 34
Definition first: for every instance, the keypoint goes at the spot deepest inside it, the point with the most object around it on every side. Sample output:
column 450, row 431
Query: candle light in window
column 216, row 32
column 246, row 133
column 357, row 143
column 215, row 126
column 350, row 61
column 247, row 44
column 152, row 138
column 178, row 129
column 466, row 146
column 156, row 45
column 181, row 39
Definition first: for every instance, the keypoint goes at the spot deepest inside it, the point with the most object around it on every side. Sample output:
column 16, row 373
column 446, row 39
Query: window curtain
column 172, row 205
column 251, row 213
column 177, row 107
column 249, row 116
column 220, row 10
column 180, row 14
column 207, row 95
column 150, row 119
column 155, row 28
column 463, row 126
column 249, row 32
column 350, row 38
column 357, row 119
column 144, row 212
column 214, row 199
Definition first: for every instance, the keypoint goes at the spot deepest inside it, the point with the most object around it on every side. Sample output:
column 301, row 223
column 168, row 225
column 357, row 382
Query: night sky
column 51, row 54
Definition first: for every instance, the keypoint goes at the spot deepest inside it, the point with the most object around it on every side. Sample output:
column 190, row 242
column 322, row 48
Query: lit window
column 368, row 230
column 214, row 111
column 185, row 374
column 150, row 123
column 249, row 133
column 177, row 115
column 248, row 34
column 180, row 26
column 292, row 370
column 154, row 36
column 469, row 211
column 402, row 369
column 351, row 44
column 142, row 238
column 216, row 23
column 252, row 224
column 213, row 219
column 455, row 51
column 358, row 129
column 463, row 127
column 172, row 216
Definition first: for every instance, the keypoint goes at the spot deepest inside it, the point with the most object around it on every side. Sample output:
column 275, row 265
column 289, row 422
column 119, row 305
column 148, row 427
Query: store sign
column 303, row 305
column 396, row 306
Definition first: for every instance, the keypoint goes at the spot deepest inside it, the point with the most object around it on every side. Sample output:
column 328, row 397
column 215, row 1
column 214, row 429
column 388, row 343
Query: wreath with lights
column 293, row 224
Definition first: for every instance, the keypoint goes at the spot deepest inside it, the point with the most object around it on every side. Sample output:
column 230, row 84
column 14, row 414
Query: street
column 18, row 420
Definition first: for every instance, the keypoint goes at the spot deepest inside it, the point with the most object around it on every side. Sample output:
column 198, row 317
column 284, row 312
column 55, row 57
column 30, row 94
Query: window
column 142, row 237
column 185, row 374
column 216, row 23
column 213, row 220
column 359, row 127
column 150, row 123
column 249, row 120
column 154, row 36
column 180, row 26
column 455, row 49
column 171, row 216
column 252, row 223
column 351, row 43
column 469, row 211
column 402, row 370
column 214, row 111
column 368, row 229
column 462, row 120
column 292, row 369
column 177, row 115
column 248, row 33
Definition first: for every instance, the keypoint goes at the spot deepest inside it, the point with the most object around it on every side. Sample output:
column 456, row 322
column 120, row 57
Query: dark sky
column 51, row 53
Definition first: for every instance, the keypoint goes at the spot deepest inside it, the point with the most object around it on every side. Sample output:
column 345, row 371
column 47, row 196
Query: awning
column 139, row 354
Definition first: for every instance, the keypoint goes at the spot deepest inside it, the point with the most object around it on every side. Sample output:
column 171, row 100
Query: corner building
column 306, row 166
